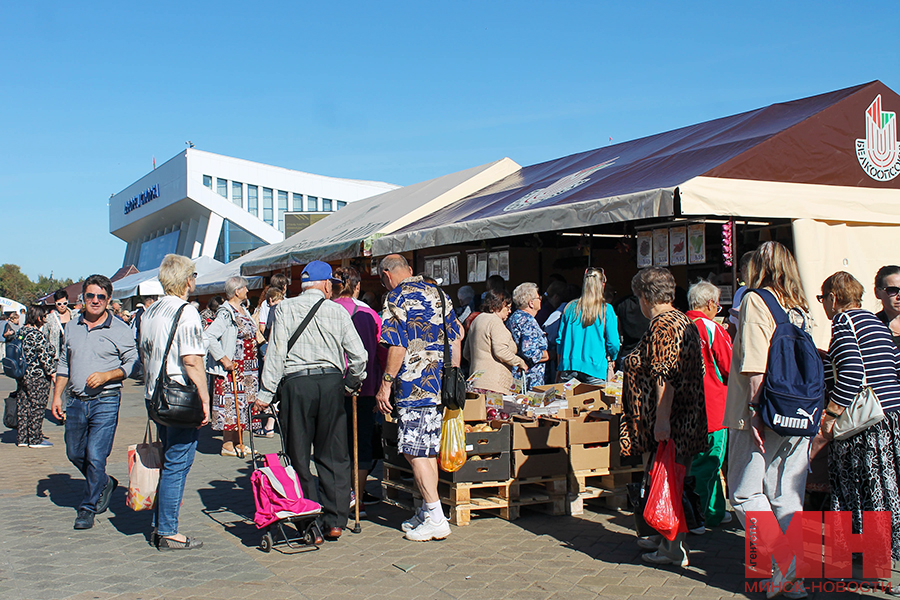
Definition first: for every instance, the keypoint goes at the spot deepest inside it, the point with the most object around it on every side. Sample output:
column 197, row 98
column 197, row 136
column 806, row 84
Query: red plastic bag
column 664, row 511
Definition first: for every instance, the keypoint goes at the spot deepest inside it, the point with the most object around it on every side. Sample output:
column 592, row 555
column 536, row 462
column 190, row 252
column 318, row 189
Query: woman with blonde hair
column 588, row 339
column 767, row 471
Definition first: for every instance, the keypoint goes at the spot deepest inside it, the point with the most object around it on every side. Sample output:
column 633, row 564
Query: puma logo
column 811, row 417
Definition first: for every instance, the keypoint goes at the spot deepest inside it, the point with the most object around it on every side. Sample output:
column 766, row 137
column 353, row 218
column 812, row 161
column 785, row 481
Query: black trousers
column 313, row 415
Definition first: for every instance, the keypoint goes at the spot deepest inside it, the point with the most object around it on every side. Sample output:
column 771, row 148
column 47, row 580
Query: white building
column 204, row 204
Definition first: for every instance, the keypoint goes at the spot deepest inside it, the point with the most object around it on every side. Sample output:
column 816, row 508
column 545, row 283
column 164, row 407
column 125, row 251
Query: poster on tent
column 445, row 271
column 644, row 249
column 493, row 263
column 504, row 265
column 697, row 244
column 471, row 267
column 678, row 246
column 454, row 270
column 661, row 247
column 482, row 269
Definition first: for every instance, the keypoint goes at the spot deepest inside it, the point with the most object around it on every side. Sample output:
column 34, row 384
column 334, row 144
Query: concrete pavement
column 536, row 557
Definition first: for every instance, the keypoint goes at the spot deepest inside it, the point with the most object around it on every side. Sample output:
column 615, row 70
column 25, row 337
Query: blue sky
column 391, row 91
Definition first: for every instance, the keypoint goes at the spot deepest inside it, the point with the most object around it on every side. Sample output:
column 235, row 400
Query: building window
column 237, row 193
column 282, row 208
column 339, row 204
column 207, row 181
column 326, row 205
column 222, row 187
column 312, row 204
column 252, row 200
column 298, row 202
column 268, row 217
column 235, row 241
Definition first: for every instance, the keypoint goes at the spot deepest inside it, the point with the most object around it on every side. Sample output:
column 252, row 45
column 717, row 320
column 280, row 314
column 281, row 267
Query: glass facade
column 268, row 205
column 312, row 203
column 235, row 241
column 326, row 205
column 298, row 202
column 282, row 208
column 252, row 201
column 207, row 181
column 237, row 193
column 339, row 204
column 222, row 187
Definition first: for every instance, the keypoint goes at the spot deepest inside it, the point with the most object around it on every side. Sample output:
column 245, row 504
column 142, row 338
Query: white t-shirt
column 156, row 325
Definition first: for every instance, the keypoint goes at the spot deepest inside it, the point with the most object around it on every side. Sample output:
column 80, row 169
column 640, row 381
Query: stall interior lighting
column 596, row 235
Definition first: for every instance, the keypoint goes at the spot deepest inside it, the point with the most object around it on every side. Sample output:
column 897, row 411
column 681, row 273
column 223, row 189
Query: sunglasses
column 890, row 290
column 100, row 297
column 64, row 303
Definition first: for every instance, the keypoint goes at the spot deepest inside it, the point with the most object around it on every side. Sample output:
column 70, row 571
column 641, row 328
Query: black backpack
column 793, row 393
column 14, row 364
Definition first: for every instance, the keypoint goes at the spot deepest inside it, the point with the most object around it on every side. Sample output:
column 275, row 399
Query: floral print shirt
column 413, row 320
column 532, row 342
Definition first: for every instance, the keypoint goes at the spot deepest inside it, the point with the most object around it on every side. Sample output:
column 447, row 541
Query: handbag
column 10, row 412
column 174, row 404
column 144, row 464
column 453, row 384
column 863, row 412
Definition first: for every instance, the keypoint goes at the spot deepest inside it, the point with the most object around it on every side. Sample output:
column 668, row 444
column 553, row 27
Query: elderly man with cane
column 315, row 355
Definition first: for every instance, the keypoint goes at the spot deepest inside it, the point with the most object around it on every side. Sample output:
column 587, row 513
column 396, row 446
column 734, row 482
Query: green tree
column 14, row 284
column 45, row 285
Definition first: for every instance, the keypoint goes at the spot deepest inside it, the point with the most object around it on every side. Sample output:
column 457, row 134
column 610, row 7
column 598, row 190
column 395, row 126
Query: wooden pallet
column 499, row 498
column 607, row 485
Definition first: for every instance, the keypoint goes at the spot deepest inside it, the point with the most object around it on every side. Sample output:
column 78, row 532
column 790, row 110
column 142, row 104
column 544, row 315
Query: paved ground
column 535, row 557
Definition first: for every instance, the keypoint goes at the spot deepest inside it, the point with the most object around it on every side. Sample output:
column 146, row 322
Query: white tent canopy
column 8, row 305
column 146, row 283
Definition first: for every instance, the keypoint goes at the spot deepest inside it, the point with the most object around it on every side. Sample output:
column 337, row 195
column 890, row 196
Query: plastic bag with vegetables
column 452, row 453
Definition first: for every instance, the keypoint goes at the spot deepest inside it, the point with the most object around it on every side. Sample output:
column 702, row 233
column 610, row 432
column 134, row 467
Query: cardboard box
column 496, row 467
column 589, row 456
column 581, row 396
column 541, row 434
column 539, row 463
column 489, row 442
column 475, row 409
column 592, row 432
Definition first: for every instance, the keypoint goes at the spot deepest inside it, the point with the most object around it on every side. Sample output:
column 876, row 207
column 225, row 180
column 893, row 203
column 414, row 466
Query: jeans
column 90, row 430
column 179, row 446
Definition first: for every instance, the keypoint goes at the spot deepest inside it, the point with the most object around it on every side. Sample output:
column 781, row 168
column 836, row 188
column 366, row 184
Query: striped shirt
column 870, row 353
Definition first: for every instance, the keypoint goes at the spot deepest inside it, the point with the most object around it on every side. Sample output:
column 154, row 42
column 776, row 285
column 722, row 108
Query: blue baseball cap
column 318, row 271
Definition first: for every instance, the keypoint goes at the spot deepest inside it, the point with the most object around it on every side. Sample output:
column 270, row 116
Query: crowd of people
column 692, row 377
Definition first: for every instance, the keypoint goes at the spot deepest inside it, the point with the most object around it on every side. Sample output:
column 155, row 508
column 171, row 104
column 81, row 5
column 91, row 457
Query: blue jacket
column 587, row 350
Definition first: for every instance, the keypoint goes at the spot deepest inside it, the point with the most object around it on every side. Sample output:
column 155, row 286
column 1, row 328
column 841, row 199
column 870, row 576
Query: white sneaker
column 411, row 523
column 44, row 444
column 429, row 530
column 649, row 543
column 698, row 530
column 658, row 558
column 727, row 518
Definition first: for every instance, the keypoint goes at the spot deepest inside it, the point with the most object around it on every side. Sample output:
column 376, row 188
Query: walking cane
column 237, row 414
column 356, row 527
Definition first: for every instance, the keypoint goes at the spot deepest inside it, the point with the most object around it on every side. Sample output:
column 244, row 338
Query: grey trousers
column 771, row 482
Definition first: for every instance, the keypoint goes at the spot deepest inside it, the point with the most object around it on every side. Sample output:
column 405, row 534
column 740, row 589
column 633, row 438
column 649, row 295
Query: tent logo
column 879, row 153
column 564, row 184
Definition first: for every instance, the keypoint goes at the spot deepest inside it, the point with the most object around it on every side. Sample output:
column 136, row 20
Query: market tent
column 799, row 159
column 213, row 282
column 147, row 282
column 9, row 305
column 347, row 232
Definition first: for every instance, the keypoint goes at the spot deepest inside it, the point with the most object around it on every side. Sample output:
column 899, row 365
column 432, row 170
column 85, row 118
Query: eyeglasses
column 821, row 297
column 193, row 276
column 890, row 290
column 63, row 303
column 100, row 297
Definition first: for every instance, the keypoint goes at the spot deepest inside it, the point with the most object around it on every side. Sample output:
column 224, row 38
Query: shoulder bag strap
column 303, row 324
column 856, row 337
column 775, row 308
column 444, row 323
column 162, row 369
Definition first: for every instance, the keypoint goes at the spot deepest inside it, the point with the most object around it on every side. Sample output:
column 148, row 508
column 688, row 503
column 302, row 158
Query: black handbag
column 10, row 412
column 173, row 404
column 453, row 384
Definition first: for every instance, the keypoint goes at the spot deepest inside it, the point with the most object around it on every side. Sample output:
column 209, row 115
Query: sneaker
column 658, row 558
column 106, row 495
column 43, row 444
column 84, row 520
column 22, row 445
column 698, row 530
column 726, row 519
column 649, row 543
column 411, row 523
column 429, row 530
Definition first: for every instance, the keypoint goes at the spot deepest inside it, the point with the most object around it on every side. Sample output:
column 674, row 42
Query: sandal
column 268, row 433
column 189, row 543
column 226, row 452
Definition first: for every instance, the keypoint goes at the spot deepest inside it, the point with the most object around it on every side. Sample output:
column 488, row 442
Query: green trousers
column 705, row 468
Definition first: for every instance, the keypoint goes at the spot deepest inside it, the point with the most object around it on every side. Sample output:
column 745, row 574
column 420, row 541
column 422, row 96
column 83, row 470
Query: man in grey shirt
column 99, row 352
column 312, row 393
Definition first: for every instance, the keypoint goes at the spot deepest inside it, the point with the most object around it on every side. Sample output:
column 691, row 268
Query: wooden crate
column 608, row 485
column 499, row 498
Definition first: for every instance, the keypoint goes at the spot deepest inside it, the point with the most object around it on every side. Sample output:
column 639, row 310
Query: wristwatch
column 388, row 377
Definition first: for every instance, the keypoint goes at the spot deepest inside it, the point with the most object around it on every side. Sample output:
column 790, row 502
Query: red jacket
column 717, row 359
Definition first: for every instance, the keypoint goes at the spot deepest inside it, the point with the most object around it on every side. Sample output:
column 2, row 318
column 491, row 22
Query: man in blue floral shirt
column 413, row 331
column 527, row 334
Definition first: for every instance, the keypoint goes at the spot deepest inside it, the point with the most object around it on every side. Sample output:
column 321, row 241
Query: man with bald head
column 413, row 331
